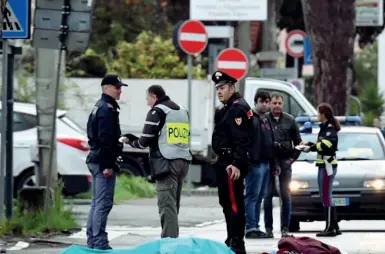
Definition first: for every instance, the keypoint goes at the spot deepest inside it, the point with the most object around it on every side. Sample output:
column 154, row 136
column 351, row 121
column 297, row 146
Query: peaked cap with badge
column 220, row 78
column 113, row 80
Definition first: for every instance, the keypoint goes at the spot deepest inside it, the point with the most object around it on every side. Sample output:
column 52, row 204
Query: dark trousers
column 169, row 189
column 285, row 195
column 235, row 222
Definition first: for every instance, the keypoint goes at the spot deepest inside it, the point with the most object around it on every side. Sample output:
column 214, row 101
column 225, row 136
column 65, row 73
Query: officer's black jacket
column 233, row 130
column 255, row 148
column 327, row 141
column 153, row 125
column 286, row 132
column 103, row 131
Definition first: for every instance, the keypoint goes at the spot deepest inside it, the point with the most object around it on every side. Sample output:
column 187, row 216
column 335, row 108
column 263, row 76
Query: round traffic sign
column 233, row 62
column 192, row 37
column 294, row 43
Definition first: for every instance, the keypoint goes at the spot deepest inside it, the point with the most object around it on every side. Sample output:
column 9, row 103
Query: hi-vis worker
column 167, row 132
column 326, row 161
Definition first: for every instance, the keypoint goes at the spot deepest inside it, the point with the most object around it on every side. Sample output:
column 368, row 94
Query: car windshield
column 351, row 146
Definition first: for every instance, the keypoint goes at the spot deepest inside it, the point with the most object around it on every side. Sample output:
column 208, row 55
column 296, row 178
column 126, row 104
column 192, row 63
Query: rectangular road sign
column 307, row 52
column 278, row 73
column 17, row 20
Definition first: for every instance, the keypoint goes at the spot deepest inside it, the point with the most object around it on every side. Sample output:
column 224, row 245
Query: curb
column 77, row 201
column 56, row 242
column 200, row 192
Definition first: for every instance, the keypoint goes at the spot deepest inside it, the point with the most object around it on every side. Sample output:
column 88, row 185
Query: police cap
column 113, row 80
column 221, row 78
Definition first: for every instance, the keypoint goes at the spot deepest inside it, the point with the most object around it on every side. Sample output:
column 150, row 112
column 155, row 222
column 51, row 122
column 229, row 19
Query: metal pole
column 189, row 78
column 3, row 127
column 53, row 137
column 9, row 137
column 296, row 67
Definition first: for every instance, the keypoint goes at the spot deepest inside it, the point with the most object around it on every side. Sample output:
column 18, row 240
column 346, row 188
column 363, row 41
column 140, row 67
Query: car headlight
column 296, row 185
column 378, row 184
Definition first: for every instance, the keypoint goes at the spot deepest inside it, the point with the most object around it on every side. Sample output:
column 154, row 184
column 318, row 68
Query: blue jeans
column 255, row 186
column 103, row 189
column 285, row 195
column 325, row 185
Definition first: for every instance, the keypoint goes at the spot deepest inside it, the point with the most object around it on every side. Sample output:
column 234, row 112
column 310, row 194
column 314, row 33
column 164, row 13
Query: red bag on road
column 305, row 245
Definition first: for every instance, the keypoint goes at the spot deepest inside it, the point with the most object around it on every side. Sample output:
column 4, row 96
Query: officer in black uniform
column 103, row 131
column 231, row 141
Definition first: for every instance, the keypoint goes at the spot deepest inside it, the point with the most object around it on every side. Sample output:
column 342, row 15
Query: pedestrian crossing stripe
column 10, row 21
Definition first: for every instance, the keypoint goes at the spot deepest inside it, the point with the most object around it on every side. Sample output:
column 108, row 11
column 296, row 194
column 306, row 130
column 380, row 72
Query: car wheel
column 130, row 170
column 27, row 179
column 294, row 224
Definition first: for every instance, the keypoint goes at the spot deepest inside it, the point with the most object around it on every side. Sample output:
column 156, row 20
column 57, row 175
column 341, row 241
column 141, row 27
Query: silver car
column 359, row 186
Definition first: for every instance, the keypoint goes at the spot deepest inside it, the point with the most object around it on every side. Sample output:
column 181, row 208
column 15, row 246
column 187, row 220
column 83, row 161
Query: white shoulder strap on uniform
column 164, row 108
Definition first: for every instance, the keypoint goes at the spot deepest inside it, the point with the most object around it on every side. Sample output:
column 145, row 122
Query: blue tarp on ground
column 184, row 245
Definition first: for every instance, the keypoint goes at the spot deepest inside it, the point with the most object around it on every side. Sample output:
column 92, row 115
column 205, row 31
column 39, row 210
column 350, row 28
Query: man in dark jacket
column 167, row 132
column 287, row 136
column 103, row 131
column 231, row 142
column 262, row 162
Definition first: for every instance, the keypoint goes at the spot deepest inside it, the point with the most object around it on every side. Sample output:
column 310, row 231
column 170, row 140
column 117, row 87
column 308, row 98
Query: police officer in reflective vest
column 103, row 131
column 231, row 142
column 167, row 132
column 326, row 161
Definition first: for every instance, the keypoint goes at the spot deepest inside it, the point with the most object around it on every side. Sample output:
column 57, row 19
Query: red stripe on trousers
column 325, row 189
column 231, row 192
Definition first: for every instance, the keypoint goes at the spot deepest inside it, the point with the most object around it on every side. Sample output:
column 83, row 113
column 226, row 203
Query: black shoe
column 238, row 246
column 256, row 235
column 227, row 242
column 269, row 233
column 335, row 221
column 329, row 229
column 285, row 233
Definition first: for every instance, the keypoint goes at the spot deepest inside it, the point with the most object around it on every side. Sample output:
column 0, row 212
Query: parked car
column 359, row 186
column 72, row 148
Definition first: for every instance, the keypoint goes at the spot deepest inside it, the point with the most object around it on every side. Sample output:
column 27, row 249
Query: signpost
column 308, row 59
column 233, row 62
column 17, row 19
column 240, row 10
column 192, row 39
column 369, row 13
column 294, row 45
column 63, row 25
column 16, row 25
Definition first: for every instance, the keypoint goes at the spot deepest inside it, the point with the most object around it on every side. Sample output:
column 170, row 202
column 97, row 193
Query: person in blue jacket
column 103, row 131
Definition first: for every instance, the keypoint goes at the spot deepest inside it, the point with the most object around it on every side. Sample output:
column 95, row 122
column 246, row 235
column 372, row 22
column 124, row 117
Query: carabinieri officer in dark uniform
column 231, row 142
column 103, row 131
column 326, row 161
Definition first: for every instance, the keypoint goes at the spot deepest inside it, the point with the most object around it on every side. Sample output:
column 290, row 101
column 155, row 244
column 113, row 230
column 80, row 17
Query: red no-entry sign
column 233, row 62
column 192, row 37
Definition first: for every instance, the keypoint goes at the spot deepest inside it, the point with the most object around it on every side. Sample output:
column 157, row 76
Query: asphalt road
column 136, row 222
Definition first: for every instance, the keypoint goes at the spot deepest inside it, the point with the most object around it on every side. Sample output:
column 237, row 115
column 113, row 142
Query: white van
column 295, row 103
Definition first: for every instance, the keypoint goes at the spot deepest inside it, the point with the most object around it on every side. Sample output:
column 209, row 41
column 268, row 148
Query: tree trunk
column 330, row 25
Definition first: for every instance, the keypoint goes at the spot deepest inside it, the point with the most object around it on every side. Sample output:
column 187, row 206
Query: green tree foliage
column 366, row 65
column 87, row 65
column 117, row 20
column 151, row 57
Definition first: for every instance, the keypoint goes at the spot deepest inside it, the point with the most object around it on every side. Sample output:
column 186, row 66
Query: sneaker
column 256, row 235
